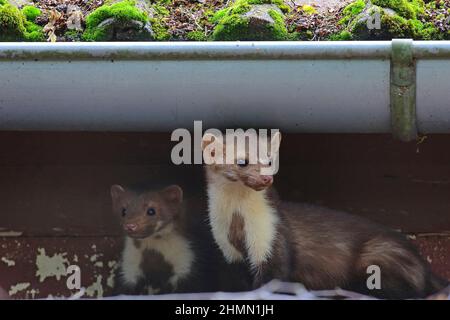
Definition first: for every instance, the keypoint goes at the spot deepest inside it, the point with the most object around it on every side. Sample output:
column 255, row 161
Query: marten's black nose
column 130, row 227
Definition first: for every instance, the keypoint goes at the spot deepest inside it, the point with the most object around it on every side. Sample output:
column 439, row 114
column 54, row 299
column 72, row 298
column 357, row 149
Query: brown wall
column 61, row 180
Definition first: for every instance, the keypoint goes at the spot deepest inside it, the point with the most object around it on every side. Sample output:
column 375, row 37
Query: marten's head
column 244, row 157
column 147, row 213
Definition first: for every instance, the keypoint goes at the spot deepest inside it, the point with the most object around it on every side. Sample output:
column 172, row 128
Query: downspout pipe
column 398, row 86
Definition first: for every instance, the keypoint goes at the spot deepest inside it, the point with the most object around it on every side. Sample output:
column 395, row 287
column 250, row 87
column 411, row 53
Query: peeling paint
column 9, row 263
column 94, row 257
column 54, row 266
column 32, row 293
column 111, row 278
column 95, row 288
column 98, row 264
column 18, row 287
column 11, row 233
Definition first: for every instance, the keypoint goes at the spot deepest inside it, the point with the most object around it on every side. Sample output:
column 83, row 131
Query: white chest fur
column 259, row 217
column 175, row 249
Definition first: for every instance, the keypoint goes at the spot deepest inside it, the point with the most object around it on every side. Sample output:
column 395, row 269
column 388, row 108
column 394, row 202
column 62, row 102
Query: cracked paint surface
column 18, row 287
column 112, row 265
column 9, row 263
column 98, row 264
column 10, row 233
column 50, row 266
column 96, row 288
column 41, row 263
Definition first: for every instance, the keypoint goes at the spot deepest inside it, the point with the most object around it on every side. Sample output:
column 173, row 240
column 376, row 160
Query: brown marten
column 318, row 247
column 166, row 249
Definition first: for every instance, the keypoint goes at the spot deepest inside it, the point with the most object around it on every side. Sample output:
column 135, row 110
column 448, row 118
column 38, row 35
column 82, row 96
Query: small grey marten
column 318, row 247
column 165, row 250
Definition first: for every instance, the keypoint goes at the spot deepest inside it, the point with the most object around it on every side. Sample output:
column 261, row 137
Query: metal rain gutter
column 398, row 86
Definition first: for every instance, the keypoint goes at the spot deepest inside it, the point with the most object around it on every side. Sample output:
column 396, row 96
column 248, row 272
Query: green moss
column 240, row 8
column 409, row 9
column 424, row 31
column 11, row 23
column 258, row 1
column 395, row 26
column 158, row 27
column 304, row 35
column 403, row 22
column 352, row 10
column 278, row 29
column 73, row 35
column 219, row 15
column 31, row 13
column 294, row 36
column 243, row 6
column 341, row 36
column 33, row 32
column 14, row 26
column 163, row 2
column 2, row 2
column 280, row 3
column 161, row 10
column 309, row 9
column 196, row 36
column 122, row 11
column 208, row 14
column 232, row 25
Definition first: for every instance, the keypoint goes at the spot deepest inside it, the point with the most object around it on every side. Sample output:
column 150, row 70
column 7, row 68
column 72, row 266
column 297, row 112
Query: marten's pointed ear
column 173, row 193
column 275, row 142
column 212, row 146
column 207, row 139
column 116, row 192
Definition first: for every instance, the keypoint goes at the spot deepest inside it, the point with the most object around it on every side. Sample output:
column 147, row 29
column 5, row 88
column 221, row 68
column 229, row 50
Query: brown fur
column 236, row 234
column 171, row 217
column 158, row 270
column 323, row 248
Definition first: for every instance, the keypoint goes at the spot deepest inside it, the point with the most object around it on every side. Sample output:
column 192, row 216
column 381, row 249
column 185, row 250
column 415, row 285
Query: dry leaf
column 50, row 27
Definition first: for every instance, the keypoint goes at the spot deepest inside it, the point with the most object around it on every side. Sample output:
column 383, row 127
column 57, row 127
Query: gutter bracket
column 403, row 90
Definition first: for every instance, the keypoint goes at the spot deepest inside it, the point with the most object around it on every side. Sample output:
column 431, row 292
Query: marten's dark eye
column 124, row 212
column 242, row 162
column 151, row 211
